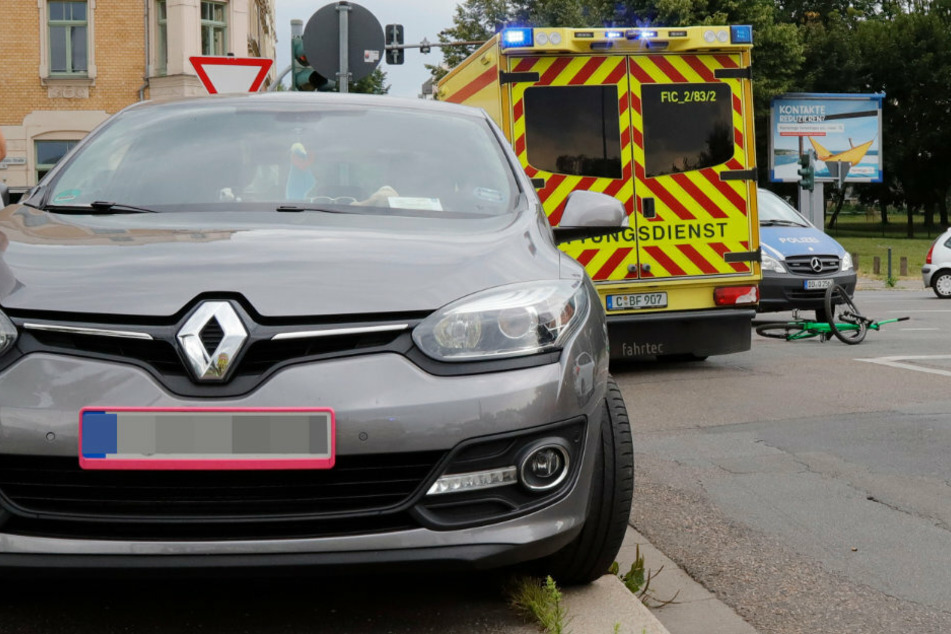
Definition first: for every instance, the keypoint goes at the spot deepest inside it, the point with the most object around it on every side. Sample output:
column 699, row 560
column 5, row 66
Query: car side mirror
column 588, row 214
column 4, row 195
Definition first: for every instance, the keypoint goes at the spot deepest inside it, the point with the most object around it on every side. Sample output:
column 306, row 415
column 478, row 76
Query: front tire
column 592, row 552
column 941, row 284
column 840, row 306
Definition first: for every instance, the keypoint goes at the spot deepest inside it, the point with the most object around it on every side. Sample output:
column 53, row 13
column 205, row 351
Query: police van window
column 573, row 130
column 686, row 127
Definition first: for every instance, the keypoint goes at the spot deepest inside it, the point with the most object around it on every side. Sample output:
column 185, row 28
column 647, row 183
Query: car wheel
column 941, row 284
column 592, row 552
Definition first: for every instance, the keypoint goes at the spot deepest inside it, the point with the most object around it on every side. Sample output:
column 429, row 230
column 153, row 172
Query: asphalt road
column 808, row 484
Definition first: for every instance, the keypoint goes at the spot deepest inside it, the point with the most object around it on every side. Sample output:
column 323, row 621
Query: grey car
column 303, row 330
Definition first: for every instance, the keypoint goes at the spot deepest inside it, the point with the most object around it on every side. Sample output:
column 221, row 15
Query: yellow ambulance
column 662, row 120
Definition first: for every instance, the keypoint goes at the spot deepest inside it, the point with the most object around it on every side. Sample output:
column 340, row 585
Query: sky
column 420, row 19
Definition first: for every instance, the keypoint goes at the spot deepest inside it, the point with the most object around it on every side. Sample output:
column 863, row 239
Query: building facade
column 69, row 64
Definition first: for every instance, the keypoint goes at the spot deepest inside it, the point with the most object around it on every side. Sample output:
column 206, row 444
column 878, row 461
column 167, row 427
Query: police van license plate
column 636, row 301
column 811, row 285
column 206, row 438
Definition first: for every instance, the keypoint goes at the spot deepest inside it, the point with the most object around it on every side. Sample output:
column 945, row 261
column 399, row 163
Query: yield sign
column 231, row 74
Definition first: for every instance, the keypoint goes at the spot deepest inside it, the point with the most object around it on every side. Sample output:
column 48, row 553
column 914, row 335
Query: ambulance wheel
column 593, row 551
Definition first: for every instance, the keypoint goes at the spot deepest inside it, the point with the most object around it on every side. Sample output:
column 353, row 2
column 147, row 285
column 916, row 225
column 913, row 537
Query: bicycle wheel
column 845, row 321
column 781, row 330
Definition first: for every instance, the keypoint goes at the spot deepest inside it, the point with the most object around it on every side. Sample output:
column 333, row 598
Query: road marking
column 896, row 362
column 914, row 329
column 929, row 310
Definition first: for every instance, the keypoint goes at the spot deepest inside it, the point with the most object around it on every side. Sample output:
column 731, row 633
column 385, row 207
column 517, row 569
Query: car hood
column 784, row 242
column 284, row 264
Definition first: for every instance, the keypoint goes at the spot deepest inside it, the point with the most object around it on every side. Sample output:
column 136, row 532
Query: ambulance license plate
column 635, row 301
column 206, row 438
column 811, row 285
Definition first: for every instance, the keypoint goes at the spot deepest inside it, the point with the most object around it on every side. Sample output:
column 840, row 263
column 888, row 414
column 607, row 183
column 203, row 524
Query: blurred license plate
column 206, row 438
column 816, row 284
column 637, row 300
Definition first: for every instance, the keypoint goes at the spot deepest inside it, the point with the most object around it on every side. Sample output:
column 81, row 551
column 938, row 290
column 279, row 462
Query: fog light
column 459, row 482
column 544, row 467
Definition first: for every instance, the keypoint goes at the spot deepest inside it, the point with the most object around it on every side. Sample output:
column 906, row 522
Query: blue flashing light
column 741, row 34
column 519, row 37
column 646, row 34
column 613, row 34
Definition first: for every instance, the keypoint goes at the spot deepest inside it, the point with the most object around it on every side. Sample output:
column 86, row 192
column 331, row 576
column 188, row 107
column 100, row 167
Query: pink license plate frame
column 235, row 461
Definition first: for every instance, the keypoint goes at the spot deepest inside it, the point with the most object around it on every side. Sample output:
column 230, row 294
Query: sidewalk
column 599, row 607
column 902, row 284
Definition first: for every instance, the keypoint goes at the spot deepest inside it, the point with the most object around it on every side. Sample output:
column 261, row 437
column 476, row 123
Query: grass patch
column 867, row 249
column 638, row 581
column 541, row 601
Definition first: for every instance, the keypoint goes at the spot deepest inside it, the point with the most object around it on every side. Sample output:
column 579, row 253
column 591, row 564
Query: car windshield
column 774, row 210
column 292, row 155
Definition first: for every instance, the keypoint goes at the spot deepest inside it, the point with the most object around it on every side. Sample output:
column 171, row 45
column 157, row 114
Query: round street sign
column 322, row 41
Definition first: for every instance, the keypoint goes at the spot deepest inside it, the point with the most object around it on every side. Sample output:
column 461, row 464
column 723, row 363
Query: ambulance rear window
column 686, row 127
column 573, row 130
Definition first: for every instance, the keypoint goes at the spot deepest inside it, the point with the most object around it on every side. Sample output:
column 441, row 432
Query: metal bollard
column 889, row 263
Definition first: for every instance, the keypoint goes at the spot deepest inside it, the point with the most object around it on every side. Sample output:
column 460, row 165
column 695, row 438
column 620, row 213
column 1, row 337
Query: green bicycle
column 845, row 323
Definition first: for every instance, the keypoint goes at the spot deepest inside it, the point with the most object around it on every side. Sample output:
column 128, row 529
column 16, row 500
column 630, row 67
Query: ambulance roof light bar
column 527, row 37
column 517, row 37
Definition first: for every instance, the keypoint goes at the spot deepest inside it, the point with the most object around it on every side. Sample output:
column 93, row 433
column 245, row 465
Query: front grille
column 802, row 264
column 52, row 495
column 261, row 356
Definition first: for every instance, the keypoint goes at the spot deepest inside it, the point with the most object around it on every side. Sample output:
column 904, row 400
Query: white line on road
column 896, row 362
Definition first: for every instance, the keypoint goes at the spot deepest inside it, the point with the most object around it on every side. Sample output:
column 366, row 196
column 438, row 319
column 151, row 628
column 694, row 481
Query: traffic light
column 807, row 171
column 303, row 77
column 394, row 36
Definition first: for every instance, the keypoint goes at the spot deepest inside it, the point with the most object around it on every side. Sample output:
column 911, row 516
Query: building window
column 69, row 42
column 48, row 154
column 214, row 28
column 161, row 40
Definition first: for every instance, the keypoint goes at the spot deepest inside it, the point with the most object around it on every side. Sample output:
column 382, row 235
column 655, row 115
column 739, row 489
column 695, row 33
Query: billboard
column 843, row 129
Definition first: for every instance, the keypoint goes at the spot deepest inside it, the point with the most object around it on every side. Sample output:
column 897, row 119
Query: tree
column 372, row 84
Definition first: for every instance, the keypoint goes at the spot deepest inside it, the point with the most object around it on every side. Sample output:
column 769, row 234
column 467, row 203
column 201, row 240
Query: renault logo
column 816, row 265
column 210, row 340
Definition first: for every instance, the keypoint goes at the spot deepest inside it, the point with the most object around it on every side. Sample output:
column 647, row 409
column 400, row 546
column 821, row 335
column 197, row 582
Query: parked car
column 303, row 329
column 799, row 261
column 936, row 273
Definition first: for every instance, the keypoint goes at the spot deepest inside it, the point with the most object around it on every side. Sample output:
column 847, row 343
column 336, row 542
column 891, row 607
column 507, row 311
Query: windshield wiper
column 100, row 207
column 783, row 223
column 299, row 208
column 107, row 206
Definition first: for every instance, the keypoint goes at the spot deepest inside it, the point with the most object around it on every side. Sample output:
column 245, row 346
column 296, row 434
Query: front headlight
column 8, row 333
column 770, row 263
column 508, row 321
column 847, row 261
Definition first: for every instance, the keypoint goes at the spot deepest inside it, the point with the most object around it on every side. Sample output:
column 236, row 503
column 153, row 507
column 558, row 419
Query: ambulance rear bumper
column 686, row 334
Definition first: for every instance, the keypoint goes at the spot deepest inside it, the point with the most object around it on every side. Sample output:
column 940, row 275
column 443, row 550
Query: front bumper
column 385, row 405
column 785, row 291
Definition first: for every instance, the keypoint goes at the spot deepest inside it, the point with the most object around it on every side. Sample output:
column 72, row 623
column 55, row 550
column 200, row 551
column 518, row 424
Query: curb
column 696, row 610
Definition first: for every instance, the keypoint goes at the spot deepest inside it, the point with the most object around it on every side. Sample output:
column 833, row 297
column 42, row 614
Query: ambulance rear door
column 693, row 165
column 571, row 130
